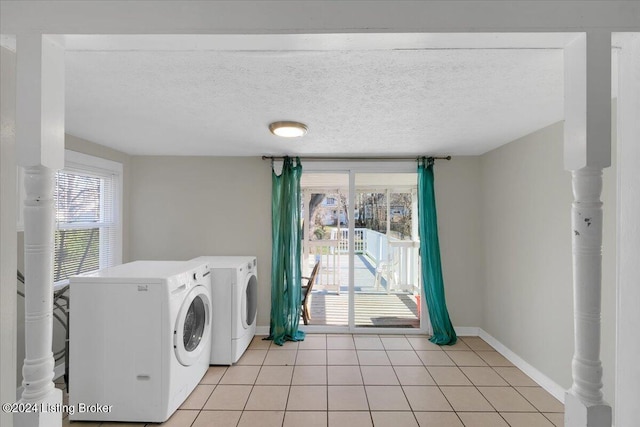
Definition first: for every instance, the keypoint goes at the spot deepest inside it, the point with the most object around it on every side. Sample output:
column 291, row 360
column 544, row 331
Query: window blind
column 86, row 222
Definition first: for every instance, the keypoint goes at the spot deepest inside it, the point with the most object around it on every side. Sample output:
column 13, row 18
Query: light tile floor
column 360, row 381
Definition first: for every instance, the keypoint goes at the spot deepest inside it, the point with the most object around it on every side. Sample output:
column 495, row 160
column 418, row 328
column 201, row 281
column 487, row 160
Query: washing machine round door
column 249, row 301
column 193, row 326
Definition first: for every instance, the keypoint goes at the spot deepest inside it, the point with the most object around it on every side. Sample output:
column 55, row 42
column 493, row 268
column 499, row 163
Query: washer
column 234, row 292
column 139, row 339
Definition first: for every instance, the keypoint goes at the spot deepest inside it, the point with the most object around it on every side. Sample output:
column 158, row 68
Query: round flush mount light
column 288, row 129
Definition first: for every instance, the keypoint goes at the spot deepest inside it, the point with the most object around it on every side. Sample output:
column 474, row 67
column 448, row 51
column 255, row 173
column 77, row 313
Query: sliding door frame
column 353, row 168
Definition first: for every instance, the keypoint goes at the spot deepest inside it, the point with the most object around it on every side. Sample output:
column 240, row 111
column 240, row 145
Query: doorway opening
column 365, row 239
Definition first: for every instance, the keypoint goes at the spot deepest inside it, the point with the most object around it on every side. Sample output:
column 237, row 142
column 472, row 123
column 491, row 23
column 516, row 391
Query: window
column 88, row 232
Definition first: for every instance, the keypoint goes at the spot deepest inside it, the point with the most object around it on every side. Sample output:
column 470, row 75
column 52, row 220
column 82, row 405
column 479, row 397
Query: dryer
column 140, row 339
column 234, row 293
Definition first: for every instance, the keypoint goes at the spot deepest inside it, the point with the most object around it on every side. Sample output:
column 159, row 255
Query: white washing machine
column 140, row 339
column 234, row 294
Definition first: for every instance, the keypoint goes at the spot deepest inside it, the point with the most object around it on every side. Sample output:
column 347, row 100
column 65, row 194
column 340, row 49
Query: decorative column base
column 579, row 414
column 49, row 411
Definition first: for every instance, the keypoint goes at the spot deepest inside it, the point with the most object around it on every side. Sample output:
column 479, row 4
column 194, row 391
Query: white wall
column 458, row 201
column 526, row 222
column 8, row 259
column 183, row 207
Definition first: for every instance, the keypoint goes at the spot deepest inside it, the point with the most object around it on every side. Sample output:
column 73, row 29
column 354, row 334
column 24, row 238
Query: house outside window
column 88, row 200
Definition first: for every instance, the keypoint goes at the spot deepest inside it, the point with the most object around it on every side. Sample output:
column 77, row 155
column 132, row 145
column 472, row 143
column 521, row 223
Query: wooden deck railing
column 396, row 261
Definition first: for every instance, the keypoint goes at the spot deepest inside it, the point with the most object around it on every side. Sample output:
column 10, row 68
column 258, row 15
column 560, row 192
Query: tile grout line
column 472, row 384
column 509, row 386
column 439, row 389
column 393, row 367
column 547, row 418
column 400, row 383
column 364, row 388
column 284, row 415
column 476, row 387
column 326, row 372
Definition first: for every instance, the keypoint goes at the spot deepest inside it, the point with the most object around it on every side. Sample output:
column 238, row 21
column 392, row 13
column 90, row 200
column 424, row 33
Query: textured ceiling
column 355, row 102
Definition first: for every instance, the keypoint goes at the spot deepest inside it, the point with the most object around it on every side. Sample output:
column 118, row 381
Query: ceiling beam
column 282, row 17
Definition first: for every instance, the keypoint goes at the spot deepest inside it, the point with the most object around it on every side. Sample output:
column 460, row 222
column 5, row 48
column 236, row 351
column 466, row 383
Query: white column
column 414, row 215
column 306, row 197
column 628, row 294
column 586, row 222
column 8, row 233
column 587, row 144
column 40, row 146
column 352, row 242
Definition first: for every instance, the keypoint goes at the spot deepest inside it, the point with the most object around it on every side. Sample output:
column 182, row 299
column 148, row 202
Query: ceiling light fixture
column 288, row 129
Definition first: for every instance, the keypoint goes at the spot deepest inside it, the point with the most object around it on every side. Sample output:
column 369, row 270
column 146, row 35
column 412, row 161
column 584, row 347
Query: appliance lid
column 140, row 272
column 226, row 261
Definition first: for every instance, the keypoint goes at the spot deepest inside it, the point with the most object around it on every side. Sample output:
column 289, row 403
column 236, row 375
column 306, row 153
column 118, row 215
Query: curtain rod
column 373, row 159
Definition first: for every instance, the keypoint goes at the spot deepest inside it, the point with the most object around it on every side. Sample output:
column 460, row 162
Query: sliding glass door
column 386, row 285
column 361, row 229
column 325, row 213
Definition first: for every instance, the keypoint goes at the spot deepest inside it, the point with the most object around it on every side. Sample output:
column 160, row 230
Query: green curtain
column 286, row 235
column 432, row 282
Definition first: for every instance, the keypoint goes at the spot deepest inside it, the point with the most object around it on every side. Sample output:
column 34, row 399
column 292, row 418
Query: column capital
column 587, row 101
column 40, row 104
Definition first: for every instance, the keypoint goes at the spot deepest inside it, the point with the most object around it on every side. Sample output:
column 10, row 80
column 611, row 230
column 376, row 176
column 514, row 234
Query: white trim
column 85, row 225
column 399, row 166
column 21, row 195
column 544, row 381
column 555, row 389
column 351, row 251
column 353, row 167
column 323, row 329
column 173, row 17
column 627, row 371
column 85, row 162
column 270, row 42
column 467, row 331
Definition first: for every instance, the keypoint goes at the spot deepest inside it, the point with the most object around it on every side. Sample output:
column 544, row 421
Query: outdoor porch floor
column 393, row 310
column 373, row 306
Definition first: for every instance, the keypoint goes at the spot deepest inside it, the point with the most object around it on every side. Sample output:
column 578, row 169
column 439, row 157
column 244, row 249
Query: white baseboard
column 467, row 331
column 463, row 331
column 555, row 389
